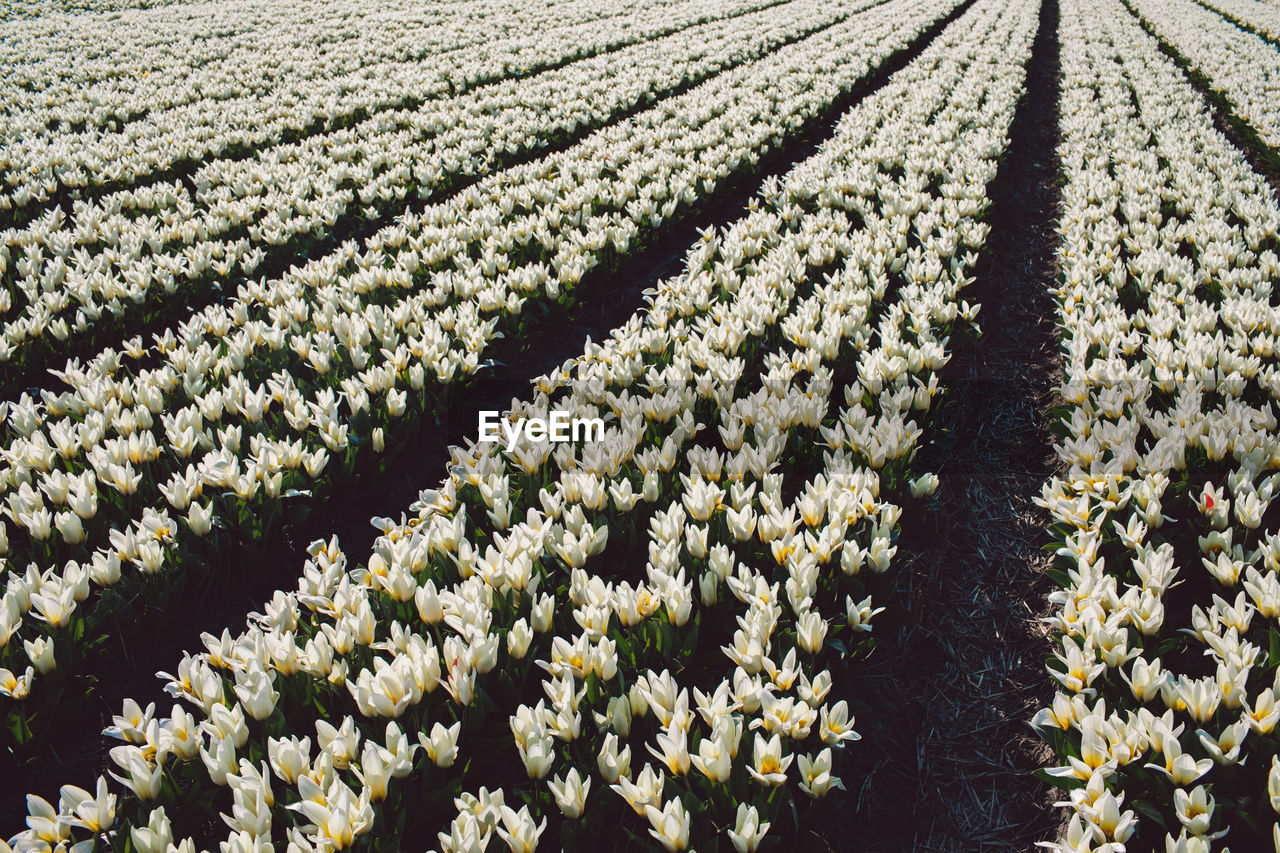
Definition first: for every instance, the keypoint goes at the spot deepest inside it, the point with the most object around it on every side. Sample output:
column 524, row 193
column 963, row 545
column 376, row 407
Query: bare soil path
column 946, row 757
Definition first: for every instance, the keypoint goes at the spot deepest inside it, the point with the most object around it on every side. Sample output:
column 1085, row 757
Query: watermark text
column 559, row 427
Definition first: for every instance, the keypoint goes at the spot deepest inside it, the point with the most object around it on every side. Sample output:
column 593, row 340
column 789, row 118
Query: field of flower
column 258, row 259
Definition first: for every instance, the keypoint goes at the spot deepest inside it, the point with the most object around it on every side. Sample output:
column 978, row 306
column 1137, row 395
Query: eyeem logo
column 558, row 428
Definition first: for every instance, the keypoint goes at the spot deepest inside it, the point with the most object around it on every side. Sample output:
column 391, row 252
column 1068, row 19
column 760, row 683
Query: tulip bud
column 543, row 609
column 748, row 831
column 70, row 527
column 624, row 497
column 637, row 700
column 604, row 659
column 442, row 745
column 924, row 485
column 428, row 601
column 880, row 553
column 518, row 639
column 219, row 759
column 620, row 715
column 696, row 540
column 518, row 829
column 144, row 779
column 860, row 613
column 611, row 762
column 314, row 462
column 815, row 774
column 484, row 653
column 156, row 836
column 570, row 793
column 713, row 760
column 200, row 519
column 104, row 568
column 721, row 561
column 373, row 772
column 811, row 630
column 40, row 652
column 290, row 758
column 256, row 693
column 228, row 723
column 707, row 588
column 538, row 756
column 396, row 403
column 652, row 488
column 679, row 603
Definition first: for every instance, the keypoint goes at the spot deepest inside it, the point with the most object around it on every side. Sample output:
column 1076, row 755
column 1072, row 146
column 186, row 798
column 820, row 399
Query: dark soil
column 606, row 299
column 946, row 756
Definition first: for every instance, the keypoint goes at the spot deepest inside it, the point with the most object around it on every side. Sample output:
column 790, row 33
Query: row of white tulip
column 142, row 247
column 297, row 88
column 74, row 73
column 19, row 9
column 1239, row 64
column 1166, row 650
column 244, row 405
column 858, row 256
column 1263, row 17
column 165, row 58
column 138, row 62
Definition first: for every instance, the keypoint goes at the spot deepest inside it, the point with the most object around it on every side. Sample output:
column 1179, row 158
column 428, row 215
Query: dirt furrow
column 946, row 757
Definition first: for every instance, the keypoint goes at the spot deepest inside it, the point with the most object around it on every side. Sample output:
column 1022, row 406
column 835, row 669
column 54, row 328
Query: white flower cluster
column 503, row 574
column 1260, row 15
column 138, row 247
column 251, row 398
column 299, row 65
column 1244, row 67
column 1165, row 634
column 17, row 9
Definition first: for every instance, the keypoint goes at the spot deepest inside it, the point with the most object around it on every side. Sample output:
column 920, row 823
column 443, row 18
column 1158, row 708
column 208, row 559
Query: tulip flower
column 642, row 792
column 769, row 766
column 442, row 745
column 40, row 653
column 713, row 760
column 518, row 639
column 519, row 831
column 748, row 830
column 95, row 812
column 612, row 762
column 290, row 757
column 570, row 793
column 670, row 825
column 538, row 756
column 815, row 774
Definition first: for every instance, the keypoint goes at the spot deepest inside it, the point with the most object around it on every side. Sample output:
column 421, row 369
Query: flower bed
column 1165, row 642
column 133, row 258
column 1244, row 67
column 244, row 407
column 638, row 635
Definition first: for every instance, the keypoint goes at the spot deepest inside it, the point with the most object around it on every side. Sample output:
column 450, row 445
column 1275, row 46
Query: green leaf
column 1150, row 811
column 1066, row 784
